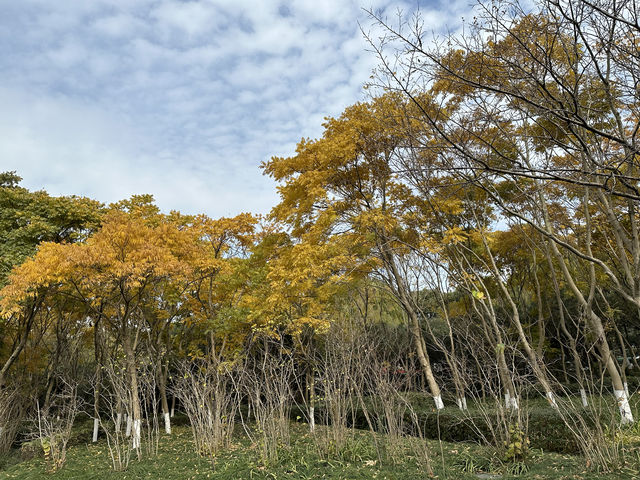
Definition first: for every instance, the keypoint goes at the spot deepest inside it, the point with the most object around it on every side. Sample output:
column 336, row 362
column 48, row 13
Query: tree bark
column 136, row 412
column 403, row 295
column 162, row 386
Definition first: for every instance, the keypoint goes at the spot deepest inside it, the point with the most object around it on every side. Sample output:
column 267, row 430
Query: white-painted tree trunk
column 96, row 426
column 136, row 434
column 462, row 403
column 510, row 402
column 626, row 389
column 128, row 429
column 552, row 400
column 167, row 423
column 623, row 404
column 311, row 385
column 438, row 400
column 118, row 421
column 583, row 397
column 173, row 410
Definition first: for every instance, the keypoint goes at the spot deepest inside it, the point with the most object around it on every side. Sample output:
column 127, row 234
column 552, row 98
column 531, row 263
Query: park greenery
column 449, row 285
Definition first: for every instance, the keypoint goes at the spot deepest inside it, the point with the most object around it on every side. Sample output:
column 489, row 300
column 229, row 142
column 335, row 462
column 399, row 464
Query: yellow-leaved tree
column 349, row 210
column 113, row 273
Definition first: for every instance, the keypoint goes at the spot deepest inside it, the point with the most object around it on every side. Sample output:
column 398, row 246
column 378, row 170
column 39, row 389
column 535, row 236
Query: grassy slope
column 302, row 460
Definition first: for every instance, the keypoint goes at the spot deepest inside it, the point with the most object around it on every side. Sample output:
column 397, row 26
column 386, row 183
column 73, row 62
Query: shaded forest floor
column 303, row 458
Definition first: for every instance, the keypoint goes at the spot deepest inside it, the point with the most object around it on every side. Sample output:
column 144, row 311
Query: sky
column 180, row 99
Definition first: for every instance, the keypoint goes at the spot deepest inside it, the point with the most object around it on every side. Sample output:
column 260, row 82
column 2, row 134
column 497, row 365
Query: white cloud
column 68, row 55
column 180, row 99
column 190, row 18
column 119, row 25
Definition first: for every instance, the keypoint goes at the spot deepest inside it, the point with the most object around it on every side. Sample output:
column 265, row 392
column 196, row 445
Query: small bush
column 545, row 431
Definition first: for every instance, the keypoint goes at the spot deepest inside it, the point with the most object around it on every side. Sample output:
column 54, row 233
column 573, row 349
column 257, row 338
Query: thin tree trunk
column 594, row 321
column 136, row 412
column 98, row 380
column 21, row 343
column 538, row 367
column 414, row 323
column 162, row 386
column 312, row 400
column 577, row 362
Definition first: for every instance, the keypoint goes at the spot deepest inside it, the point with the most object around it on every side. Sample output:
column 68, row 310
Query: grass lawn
column 302, row 459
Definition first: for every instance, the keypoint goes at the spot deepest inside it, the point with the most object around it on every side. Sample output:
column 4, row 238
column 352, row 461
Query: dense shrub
column 545, row 428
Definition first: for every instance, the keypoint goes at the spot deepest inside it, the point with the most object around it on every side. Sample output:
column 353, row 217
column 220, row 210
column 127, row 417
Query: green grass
column 301, row 460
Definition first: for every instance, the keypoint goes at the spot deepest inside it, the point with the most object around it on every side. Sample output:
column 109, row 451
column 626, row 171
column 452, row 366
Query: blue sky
column 180, row 99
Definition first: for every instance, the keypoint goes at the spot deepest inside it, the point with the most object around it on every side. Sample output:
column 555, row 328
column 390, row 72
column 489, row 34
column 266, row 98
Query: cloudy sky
column 180, row 99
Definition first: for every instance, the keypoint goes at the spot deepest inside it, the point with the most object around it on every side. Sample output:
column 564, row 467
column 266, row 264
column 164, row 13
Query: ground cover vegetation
column 449, row 285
